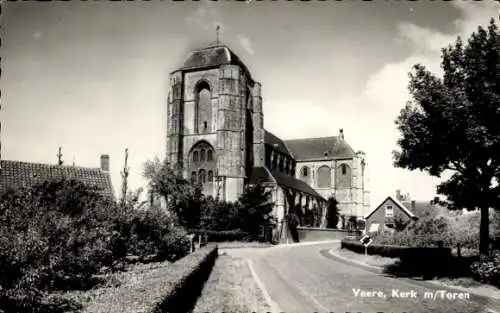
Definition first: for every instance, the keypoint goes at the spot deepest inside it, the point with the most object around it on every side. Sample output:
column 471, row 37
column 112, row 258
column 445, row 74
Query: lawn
column 231, row 288
column 137, row 282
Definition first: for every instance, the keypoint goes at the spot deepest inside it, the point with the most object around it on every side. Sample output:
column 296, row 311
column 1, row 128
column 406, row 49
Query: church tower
column 215, row 132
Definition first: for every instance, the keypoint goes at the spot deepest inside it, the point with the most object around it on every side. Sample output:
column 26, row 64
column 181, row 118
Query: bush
column 59, row 235
column 487, row 270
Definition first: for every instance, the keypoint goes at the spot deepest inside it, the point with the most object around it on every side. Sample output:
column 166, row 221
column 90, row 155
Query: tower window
column 202, row 155
column 205, row 125
column 193, row 177
column 344, row 169
column 195, row 156
column 201, row 177
column 210, row 156
column 210, row 176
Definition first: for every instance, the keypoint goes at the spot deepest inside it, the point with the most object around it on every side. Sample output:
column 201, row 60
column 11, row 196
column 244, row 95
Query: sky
column 92, row 77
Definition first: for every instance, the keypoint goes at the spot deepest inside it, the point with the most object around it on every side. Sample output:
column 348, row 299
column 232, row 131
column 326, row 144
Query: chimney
column 413, row 205
column 398, row 195
column 105, row 162
column 341, row 134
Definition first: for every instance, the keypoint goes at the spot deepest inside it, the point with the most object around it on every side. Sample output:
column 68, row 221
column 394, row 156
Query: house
column 384, row 215
column 17, row 174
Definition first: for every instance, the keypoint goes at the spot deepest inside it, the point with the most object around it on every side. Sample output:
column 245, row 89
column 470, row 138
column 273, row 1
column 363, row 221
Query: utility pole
column 59, row 157
column 125, row 179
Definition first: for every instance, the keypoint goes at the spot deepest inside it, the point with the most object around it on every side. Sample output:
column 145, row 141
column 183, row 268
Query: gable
column 396, row 205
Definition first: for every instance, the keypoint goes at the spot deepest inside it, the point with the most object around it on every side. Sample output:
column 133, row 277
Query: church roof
column 16, row 174
column 263, row 175
column 213, row 55
column 271, row 140
column 310, row 149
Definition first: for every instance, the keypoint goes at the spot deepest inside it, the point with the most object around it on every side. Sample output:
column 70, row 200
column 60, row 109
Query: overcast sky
column 92, row 76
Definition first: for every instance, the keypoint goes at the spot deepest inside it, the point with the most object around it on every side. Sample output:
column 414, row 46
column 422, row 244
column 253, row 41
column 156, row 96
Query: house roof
column 16, row 174
column 421, row 207
column 308, row 149
column 213, row 55
column 399, row 204
column 276, row 143
column 264, row 175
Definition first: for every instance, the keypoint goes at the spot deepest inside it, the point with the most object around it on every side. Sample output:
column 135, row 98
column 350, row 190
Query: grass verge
column 242, row 244
column 231, row 288
column 372, row 260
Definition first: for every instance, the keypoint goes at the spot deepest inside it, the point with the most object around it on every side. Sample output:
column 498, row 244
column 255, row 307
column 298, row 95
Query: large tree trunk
column 484, row 232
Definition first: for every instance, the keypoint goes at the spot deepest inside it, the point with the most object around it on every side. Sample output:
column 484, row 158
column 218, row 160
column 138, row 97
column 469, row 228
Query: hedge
column 224, row 235
column 429, row 260
column 174, row 289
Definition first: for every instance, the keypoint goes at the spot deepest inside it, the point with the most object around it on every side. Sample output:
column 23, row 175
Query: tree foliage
column 255, row 208
column 453, row 124
column 332, row 213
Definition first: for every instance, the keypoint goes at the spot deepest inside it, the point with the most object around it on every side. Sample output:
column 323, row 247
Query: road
column 308, row 279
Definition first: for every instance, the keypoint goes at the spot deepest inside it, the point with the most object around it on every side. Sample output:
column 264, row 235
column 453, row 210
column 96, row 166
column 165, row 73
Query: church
column 216, row 135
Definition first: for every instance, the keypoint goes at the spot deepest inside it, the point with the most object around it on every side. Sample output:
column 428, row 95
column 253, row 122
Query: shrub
column 58, row 235
column 487, row 270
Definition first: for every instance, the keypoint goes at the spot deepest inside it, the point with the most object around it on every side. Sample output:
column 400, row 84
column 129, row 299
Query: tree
column 183, row 198
column 453, row 124
column 332, row 213
column 255, row 208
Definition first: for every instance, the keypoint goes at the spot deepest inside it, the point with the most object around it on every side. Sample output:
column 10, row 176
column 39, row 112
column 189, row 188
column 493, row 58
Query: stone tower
column 215, row 132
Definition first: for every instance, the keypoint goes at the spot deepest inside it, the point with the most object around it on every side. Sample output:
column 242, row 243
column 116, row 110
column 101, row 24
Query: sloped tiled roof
column 272, row 140
column 399, row 204
column 263, row 175
column 319, row 148
column 16, row 174
column 421, row 207
column 213, row 55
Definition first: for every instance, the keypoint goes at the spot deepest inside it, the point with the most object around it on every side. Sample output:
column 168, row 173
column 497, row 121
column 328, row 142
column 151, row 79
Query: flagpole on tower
column 217, row 31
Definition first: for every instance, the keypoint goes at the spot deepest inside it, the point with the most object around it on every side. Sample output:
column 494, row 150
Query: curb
column 274, row 306
column 380, row 269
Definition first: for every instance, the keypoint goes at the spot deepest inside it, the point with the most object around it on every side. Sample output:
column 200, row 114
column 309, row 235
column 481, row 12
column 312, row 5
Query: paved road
column 308, row 279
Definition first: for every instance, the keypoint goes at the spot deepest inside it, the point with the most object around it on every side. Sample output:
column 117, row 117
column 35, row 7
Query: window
column 193, row 177
column 344, row 169
column 205, row 125
column 201, row 177
column 305, row 171
column 374, row 228
column 210, row 176
column 324, row 177
column 210, row 156
column 389, row 225
column 195, row 156
column 202, row 155
column 389, row 212
column 281, row 165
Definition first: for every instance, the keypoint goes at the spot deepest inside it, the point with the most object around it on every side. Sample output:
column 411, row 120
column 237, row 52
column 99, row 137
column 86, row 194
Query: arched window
column 343, row 176
column 210, row 176
column 324, row 176
column 195, row 156
column 274, row 162
column 281, row 165
column 201, row 177
column 203, row 107
column 210, row 156
column 193, row 177
column 202, row 155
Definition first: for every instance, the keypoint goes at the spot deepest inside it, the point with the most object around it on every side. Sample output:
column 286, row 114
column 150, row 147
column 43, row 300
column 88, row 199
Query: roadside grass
column 372, row 260
column 231, row 288
column 137, row 278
